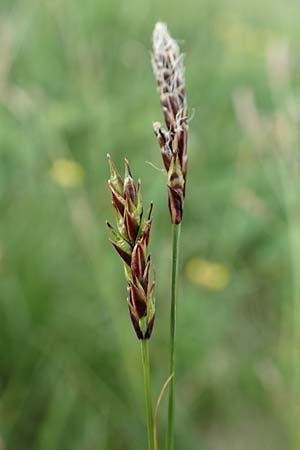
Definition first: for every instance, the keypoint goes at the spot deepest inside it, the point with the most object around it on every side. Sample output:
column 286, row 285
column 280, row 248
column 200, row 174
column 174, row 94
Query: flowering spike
column 169, row 73
column 131, row 242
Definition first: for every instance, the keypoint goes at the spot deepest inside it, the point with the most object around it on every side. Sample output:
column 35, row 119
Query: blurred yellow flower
column 213, row 276
column 66, row 172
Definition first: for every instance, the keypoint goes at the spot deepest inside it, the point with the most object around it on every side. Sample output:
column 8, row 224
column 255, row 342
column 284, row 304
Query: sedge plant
column 132, row 232
column 168, row 69
column 131, row 239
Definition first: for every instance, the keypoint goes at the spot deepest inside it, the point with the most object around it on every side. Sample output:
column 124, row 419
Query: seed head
column 169, row 73
column 131, row 240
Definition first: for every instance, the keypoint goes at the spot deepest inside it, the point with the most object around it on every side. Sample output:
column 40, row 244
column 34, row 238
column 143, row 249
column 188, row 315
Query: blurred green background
column 75, row 83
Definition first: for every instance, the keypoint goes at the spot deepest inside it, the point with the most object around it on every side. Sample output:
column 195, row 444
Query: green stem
column 175, row 257
column 146, row 372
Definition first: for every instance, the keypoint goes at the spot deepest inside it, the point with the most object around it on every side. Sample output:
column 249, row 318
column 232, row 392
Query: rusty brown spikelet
column 169, row 73
column 131, row 240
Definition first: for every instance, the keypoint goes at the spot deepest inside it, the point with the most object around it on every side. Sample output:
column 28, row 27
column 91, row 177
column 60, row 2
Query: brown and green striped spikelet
column 169, row 73
column 131, row 239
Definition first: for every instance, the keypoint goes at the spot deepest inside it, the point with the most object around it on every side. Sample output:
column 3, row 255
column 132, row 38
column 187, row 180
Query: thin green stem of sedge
column 146, row 372
column 174, row 283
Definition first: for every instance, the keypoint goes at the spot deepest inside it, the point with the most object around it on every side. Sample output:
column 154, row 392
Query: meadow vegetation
column 76, row 83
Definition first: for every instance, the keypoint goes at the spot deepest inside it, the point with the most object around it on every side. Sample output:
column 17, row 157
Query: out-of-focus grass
column 76, row 83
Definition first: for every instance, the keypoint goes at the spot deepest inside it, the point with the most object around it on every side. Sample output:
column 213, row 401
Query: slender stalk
column 146, row 371
column 175, row 258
